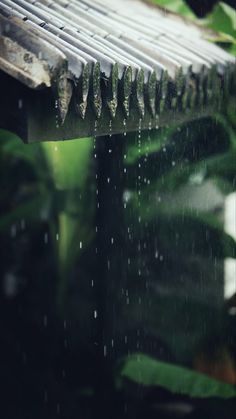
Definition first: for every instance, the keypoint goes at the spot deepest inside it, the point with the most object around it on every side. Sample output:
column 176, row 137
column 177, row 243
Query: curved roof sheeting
column 109, row 60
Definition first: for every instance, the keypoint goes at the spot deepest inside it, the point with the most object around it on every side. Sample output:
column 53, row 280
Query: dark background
column 201, row 7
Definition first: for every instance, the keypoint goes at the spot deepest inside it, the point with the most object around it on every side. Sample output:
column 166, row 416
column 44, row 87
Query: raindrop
column 20, row 104
column 56, row 107
column 45, row 321
column 124, row 123
column 105, row 351
column 57, row 236
column 157, row 122
column 139, row 127
column 46, row 238
column 173, row 163
column 95, row 127
column 112, row 240
column 80, row 245
column 110, row 128
column 13, row 230
column 95, row 314
column 56, row 148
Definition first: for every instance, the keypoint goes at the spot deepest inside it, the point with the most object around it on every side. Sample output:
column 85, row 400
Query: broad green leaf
column 29, row 210
column 232, row 49
column 150, row 372
column 12, row 145
column 222, row 19
column 151, row 143
column 68, row 162
column 202, row 229
column 178, row 6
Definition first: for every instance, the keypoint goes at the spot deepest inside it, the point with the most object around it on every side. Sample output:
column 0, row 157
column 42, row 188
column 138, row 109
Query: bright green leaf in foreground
column 178, row 6
column 150, row 372
column 223, row 19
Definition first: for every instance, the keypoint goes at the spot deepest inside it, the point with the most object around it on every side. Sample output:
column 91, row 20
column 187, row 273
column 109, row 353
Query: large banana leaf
column 147, row 371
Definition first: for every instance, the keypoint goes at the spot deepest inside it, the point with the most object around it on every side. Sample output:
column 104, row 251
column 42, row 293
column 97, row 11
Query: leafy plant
column 178, row 6
column 57, row 195
column 147, row 371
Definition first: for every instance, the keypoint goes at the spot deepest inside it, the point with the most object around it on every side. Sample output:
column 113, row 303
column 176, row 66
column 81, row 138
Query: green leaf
column 12, row 145
column 177, row 6
column 151, row 143
column 222, row 19
column 68, row 162
column 29, row 210
column 150, row 372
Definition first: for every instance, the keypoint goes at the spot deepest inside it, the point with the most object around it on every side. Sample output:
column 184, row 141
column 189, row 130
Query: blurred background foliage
column 160, row 198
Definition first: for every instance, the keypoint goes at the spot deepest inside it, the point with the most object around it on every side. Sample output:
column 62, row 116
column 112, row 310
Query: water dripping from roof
column 95, row 127
column 110, row 128
column 22, row 224
column 124, row 123
column 46, row 238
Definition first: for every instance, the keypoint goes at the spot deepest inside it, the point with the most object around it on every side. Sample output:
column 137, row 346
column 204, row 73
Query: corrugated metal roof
column 108, row 65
